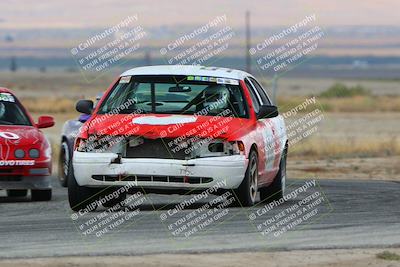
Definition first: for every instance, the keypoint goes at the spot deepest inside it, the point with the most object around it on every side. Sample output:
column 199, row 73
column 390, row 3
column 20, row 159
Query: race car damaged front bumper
column 106, row 169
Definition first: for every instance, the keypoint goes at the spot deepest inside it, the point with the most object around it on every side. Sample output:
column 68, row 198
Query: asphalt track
column 351, row 214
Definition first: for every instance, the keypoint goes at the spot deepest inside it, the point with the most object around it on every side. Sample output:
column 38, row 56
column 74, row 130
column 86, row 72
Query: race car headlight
column 80, row 144
column 19, row 153
column 218, row 148
column 87, row 145
column 100, row 144
column 34, row 153
column 237, row 148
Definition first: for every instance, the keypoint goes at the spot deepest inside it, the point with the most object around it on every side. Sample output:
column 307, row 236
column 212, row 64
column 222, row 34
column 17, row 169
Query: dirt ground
column 310, row 258
column 379, row 168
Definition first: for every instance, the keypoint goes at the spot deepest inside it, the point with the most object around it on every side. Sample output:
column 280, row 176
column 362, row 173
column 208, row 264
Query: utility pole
column 248, row 42
column 13, row 59
column 274, row 88
column 13, row 64
column 147, row 58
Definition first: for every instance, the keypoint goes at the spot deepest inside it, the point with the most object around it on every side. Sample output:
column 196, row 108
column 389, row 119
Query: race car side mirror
column 84, row 106
column 267, row 111
column 45, row 122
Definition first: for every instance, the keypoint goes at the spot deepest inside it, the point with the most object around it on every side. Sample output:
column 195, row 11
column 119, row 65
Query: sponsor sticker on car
column 7, row 97
column 125, row 79
column 17, row 162
column 8, row 135
column 217, row 80
column 227, row 81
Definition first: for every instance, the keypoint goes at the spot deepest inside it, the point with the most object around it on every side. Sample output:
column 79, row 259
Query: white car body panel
column 230, row 170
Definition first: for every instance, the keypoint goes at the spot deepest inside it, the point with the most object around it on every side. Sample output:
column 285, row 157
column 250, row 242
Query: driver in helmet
column 216, row 98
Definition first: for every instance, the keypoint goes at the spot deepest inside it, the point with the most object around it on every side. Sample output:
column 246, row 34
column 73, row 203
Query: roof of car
column 188, row 70
column 5, row 90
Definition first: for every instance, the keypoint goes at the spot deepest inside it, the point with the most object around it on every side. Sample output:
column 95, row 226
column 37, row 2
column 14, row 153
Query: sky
column 23, row 14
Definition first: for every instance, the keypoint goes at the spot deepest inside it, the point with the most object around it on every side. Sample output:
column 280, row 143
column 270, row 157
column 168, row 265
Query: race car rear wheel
column 247, row 192
column 41, row 194
column 81, row 197
column 276, row 190
column 17, row 193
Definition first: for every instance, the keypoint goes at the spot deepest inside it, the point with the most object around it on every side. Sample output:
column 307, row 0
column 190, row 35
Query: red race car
column 169, row 129
column 25, row 161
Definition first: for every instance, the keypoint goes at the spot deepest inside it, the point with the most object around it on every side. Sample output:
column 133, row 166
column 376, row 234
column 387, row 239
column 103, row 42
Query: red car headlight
column 19, row 153
column 34, row 153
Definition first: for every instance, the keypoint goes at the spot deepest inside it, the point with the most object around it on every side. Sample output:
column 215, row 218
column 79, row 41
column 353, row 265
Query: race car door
column 271, row 130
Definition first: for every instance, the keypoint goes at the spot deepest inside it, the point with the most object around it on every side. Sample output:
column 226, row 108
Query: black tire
column 276, row 190
column 63, row 163
column 114, row 200
column 41, row 195
column 81, row 197
column 17, row 193
column 246, row 193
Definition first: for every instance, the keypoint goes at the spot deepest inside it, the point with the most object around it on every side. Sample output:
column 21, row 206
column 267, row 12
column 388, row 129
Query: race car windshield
column 12, row 114
column 176, row 95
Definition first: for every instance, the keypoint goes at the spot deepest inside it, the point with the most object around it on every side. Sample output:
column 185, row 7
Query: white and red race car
column 25, row 153
column 171, row 128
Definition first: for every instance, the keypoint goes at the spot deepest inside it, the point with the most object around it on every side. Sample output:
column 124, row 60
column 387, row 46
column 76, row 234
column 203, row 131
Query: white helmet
column 216, row 97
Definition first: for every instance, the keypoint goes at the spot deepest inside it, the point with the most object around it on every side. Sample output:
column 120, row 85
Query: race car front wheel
column 246, row 193
column 276, row 190
column 63, row 164
column 81, row 197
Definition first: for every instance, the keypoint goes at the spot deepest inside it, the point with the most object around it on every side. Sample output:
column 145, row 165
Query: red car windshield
column 175, row 95
column 12, row 114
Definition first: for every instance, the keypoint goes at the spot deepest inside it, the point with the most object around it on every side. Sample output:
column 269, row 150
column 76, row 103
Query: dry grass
column 389, row 256
column 49, row 105
column 362, row 104
column 348, row 104
column 317, row 148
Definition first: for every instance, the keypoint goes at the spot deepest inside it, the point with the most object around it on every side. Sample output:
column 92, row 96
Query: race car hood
column 19, row 135
column 169, row 126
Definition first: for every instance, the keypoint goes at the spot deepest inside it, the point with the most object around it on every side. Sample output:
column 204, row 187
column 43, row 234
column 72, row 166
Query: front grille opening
column 154, row 178
column 160, row 179
column 144, row 178
column 176, row 179
column 107, row 178
column 10, row 178
column 156, row 148
column 6, row 171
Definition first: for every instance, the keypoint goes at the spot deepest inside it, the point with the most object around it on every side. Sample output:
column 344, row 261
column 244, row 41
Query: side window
column 254, row 98
column 261, row 92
